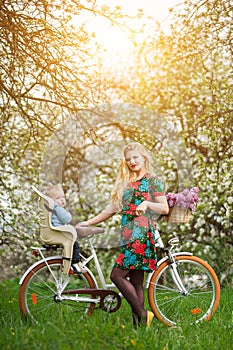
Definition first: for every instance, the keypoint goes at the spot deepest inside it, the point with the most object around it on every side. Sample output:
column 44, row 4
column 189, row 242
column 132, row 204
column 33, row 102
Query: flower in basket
column 187, row 199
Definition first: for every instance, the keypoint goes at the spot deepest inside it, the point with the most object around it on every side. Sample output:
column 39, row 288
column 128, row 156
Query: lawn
column 110, row 332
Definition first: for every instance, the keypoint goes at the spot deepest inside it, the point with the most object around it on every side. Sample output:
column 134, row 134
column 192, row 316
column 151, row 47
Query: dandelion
column 133, row 342
column 12, row 300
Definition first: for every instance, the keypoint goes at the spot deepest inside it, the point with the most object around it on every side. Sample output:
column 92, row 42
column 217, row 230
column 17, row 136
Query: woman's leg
column 137, row 278
column 131, row 289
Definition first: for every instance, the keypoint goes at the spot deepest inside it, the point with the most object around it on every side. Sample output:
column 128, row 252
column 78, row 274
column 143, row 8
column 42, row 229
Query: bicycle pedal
column 74, row 273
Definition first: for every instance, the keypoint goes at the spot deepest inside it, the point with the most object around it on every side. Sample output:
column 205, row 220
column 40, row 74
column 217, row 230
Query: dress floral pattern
column 137, row 250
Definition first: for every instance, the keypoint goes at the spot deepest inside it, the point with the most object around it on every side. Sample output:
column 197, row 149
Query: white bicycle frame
column 108, row 286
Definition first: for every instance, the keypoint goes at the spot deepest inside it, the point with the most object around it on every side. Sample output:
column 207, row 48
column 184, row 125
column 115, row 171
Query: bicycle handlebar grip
column 86, row 231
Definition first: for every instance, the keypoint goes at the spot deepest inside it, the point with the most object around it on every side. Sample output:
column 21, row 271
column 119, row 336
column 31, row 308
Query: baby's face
column 59, row 197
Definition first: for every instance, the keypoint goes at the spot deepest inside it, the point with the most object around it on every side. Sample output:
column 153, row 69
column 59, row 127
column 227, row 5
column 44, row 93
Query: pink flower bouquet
column 185, row 200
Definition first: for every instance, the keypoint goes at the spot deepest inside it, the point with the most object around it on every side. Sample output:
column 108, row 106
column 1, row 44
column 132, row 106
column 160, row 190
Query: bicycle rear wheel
column 170, row 305
column 38, row 293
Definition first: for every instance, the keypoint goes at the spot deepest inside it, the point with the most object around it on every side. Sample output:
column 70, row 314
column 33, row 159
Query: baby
column 61, row 217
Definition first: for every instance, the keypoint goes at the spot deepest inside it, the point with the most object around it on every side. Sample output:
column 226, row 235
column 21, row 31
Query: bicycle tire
column 173, row 308
column 37, row 294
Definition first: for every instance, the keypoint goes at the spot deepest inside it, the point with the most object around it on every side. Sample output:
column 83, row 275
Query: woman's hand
column 83, row 223
column 159, row 207
column 141, row 208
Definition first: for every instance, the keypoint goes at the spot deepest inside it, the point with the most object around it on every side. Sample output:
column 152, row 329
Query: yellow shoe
column 149, row 318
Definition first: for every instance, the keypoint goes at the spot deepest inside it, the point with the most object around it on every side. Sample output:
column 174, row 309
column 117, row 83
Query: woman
column 138, row 195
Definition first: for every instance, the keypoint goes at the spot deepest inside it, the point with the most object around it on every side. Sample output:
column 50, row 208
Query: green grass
column 113, row 332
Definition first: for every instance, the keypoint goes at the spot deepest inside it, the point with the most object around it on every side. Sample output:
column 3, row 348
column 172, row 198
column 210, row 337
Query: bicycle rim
column 172, row 307
column 37, row 295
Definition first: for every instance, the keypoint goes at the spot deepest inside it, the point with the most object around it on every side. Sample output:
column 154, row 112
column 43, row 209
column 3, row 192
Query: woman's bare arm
column 109, row 211
column 159, row 207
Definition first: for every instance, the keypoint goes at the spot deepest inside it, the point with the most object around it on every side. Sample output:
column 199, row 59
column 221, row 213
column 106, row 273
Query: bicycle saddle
column 85, row 231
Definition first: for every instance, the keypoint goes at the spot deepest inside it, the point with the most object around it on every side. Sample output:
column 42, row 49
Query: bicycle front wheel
column 38, row 295
column 172, row 306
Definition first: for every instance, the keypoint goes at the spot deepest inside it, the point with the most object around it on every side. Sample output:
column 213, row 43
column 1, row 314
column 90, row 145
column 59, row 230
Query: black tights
column 132, row 290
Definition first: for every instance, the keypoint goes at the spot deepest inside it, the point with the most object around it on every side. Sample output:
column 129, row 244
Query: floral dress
column 137, row 250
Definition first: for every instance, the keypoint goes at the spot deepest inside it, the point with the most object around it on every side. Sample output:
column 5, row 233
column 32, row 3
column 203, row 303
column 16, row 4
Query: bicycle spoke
column 39, row 294
column 172, row 306
column 161, row 287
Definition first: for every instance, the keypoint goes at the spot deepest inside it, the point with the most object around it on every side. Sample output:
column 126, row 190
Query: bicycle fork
column 174, row 271
column 176, row 278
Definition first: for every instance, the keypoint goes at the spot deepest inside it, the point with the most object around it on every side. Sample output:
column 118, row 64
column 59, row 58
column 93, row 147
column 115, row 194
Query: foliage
column 61, row 123
column 49, row 73
column 186, row 77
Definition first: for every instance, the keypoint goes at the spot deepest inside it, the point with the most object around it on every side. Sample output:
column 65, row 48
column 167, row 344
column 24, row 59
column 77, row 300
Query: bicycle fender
column 36, row 264
column 92, row 276
column 162, row 261
column 55, row 257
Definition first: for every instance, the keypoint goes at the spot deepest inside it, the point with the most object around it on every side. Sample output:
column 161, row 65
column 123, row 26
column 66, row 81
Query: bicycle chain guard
column 110, row 301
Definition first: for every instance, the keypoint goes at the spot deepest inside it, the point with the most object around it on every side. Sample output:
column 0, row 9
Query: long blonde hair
column 125, row 175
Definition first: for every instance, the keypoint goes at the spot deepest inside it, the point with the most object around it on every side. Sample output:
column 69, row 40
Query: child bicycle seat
column 64, row 235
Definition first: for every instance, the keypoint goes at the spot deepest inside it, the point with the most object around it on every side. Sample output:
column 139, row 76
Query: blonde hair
column 52, row 190
column 125, row 175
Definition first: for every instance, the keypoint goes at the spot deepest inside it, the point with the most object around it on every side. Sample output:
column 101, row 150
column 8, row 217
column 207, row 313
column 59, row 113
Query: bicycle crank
column 110, row 301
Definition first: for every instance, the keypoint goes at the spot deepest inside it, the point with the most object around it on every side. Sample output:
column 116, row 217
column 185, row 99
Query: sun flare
column 117, row 48
column 115, row 41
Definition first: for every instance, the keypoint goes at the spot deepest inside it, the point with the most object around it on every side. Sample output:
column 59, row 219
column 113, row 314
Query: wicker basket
column 178, row 215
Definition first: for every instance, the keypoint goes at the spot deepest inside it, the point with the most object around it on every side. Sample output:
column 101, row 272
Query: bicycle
column 184, row 288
